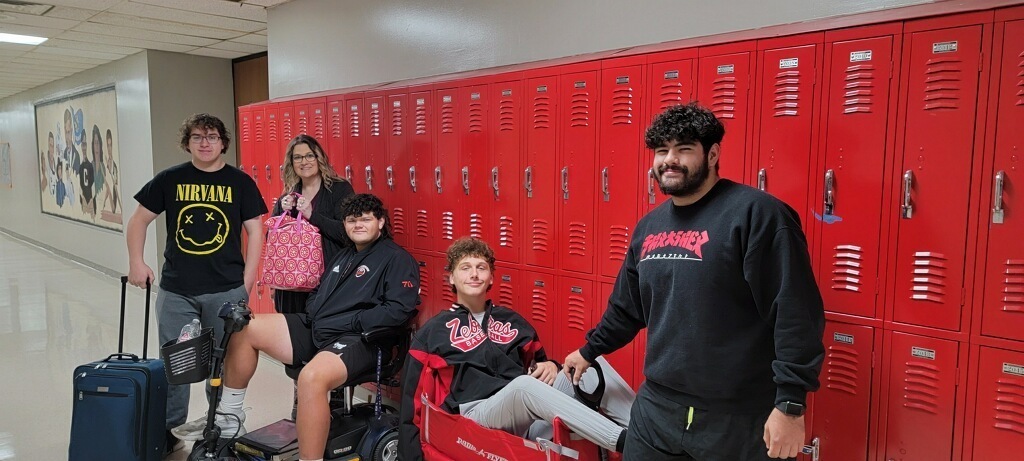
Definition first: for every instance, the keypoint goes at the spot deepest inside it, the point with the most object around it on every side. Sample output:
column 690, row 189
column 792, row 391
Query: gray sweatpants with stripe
column 526, row 400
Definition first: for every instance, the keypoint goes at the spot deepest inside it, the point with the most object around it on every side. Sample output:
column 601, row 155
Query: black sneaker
column 173, row 443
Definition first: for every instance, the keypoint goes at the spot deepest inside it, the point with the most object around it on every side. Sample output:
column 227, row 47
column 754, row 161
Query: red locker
column 619, row 162
column 355, row 146
column 246, row 140
column 399, row 159
column 671, row 83
column 475, row 165
column 573, row 314
column 538, row 301
column 724, row 84
column 1003, row 302
column 420, row 178
column 375, row 156
column 578, row 115
column 301, row 110
column 847, row 207
column 923, row 377
column 785, row 149
column 506, row 122
column 318, row 119
column 288, row 125
column 842, row 405
column 999, row 418
column 624, row 360
column 448, row 180
column 445, row 296
column 429, row 304
column 271, row 151
column 540, row 171
column 335, row 142
column 505, row 291
column 939, row 99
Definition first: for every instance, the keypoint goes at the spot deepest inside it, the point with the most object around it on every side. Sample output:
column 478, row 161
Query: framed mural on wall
column 79, row 158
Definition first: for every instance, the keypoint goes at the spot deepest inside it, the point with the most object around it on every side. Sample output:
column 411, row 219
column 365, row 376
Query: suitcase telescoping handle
column 145, row 329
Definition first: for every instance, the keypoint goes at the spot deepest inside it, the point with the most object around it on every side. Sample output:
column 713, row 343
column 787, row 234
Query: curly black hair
column 685, row 123
column 356, row 205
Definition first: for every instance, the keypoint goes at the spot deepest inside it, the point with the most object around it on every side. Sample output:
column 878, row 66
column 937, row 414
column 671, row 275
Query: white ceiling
column 87, row 33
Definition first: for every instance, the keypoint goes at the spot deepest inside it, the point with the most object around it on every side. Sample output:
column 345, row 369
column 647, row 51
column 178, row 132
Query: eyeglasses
column 364, row 220
column 198, row 138
column 311, row 157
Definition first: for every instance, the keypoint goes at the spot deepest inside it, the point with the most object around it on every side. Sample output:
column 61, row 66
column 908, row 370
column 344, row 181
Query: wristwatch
column 791, row 408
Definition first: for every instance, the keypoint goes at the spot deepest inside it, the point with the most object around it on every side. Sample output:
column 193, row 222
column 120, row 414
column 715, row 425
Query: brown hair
column 204, row 122
column 327, row 173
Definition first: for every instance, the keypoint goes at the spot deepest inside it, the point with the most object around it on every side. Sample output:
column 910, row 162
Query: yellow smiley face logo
column 202, row 229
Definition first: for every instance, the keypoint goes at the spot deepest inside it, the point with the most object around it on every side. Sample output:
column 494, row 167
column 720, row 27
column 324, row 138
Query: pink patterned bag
column 293, row 255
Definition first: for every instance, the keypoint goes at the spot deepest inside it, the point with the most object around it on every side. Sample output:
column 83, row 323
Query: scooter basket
column 188, row 362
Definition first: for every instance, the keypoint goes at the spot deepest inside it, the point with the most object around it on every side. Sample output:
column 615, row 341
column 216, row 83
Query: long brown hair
column 291, row 179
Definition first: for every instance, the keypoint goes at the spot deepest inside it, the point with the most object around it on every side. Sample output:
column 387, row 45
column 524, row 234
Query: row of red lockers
column 897, row 143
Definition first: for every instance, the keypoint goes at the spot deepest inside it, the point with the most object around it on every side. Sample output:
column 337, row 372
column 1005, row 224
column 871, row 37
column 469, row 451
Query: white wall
column 155, row 91
column 317, row 45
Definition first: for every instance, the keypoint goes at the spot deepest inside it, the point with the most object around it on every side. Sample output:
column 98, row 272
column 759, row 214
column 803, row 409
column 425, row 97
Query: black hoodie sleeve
column 780, row 277
column 397, row 303
column 329, row 220
column 623, row 318
column 411, row 411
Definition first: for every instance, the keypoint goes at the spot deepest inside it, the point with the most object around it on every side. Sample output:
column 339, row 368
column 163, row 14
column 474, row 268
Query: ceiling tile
column 266, row 3
column 66, row 12
column 226, row 54
column 36, row 21
column 115, row 19
column 121, row 41
column 239, row 47
column 11, row 28
column 219, row 8
column 52, row 63
column 187, row 17
column 101, row 47
column 36, row 54
column 131, row 32
column 58, row 51
column 87, row 4
column 252, row 39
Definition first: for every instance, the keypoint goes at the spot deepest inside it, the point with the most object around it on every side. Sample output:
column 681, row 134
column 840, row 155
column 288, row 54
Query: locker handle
column 465, row 179
column 762, row 179
column 437, row 179
column 814, row 449
column 268, row 172
column 254, row 177
column 528, row 181
column 369, row 177
column 348, row 173
column 494, row 180
column 907, row 210
column 565, row 183
column 390, row 173
column 412, row 178
column 997, row 200
column 650, row 186
column 604, row 184
column 830, row 198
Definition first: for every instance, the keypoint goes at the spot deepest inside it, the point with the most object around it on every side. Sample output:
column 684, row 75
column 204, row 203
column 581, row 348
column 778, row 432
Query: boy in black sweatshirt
column 721, row 278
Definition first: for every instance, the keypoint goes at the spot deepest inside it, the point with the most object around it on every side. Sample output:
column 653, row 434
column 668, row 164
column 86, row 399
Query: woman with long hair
column 320, row 190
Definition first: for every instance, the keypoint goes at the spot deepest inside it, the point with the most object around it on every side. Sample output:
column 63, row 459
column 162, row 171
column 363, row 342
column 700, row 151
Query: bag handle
column 298, row 215
column 145, row 329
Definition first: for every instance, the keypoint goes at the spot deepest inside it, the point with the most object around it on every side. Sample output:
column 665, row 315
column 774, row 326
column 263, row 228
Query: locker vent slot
column 841, row 369
column 476, row 116
column 671, row 94
column 1009, row 414
column 258, row 128
column 576, row 314
column 539, row 306
column 353, row 123
column 1020, row 83
column 421, row 119
column 505, row 294
column 286, row 127
column 846, row 268
column 541, row 234
column 272, row 128
column 374, row 120
column 541, row 111
column 446, row 293
column 921, row 386
column 1013, row 286
column 929, row 279
column 506, row 114
column 422, row 224
column 622, row 106
column 424, row 287
column 303, row 122
column 787, row 93
column 859, row 86
column 447, row 225
column 398, row 220
column 246, row 129
column 476, row 225
column 577, row 238
column 579, row 111
column 335, row 123
column 942, row 78
column 396, row 120
column 618, row 243
column 723, row 97
column 506, row 231
column 318, row 125
column 447, row 118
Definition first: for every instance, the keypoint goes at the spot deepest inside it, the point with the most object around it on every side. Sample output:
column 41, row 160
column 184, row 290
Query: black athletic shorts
column 359, row 357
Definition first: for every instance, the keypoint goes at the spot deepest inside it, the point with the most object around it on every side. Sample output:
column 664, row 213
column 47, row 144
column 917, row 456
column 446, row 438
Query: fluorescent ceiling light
column 21, row 39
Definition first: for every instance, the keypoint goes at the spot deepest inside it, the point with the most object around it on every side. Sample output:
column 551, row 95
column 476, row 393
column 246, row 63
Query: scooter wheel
column 387, row 448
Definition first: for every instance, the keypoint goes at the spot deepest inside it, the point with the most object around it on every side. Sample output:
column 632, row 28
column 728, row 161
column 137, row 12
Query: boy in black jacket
column 372, row 284
column 488, row 350
column 721, row 278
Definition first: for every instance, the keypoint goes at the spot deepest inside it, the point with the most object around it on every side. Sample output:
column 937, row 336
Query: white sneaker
column 230, row 424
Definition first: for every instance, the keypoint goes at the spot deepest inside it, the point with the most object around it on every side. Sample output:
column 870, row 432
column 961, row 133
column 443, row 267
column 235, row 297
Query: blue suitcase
column 120, row 404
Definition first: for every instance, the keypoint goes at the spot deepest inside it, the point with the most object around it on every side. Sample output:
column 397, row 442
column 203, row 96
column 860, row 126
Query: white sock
column 231, row 400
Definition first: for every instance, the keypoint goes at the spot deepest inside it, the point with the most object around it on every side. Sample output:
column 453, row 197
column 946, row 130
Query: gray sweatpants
column 526, row 400
column 175, row 311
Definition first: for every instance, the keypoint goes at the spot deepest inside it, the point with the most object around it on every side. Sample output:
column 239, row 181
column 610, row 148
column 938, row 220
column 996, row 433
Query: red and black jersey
column 469, row 362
